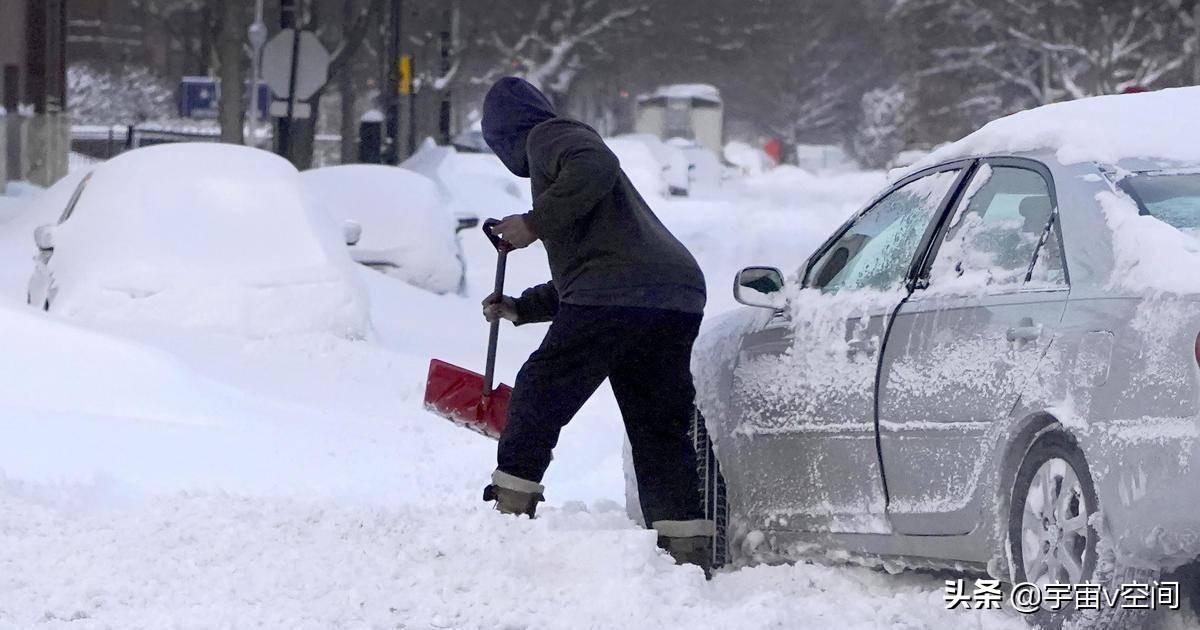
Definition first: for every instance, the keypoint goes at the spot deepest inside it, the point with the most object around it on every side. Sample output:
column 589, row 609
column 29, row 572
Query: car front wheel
column 1053, row 536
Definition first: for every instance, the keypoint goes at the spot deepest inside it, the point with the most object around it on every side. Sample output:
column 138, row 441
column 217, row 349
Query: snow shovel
column 464, row 397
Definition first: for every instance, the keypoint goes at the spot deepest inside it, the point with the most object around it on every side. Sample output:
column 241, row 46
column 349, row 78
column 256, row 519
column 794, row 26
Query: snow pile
column 14, row 196
column 747, row 159
column 472, row 184
column 210, row 236
column 406, row 230
column 644, row 170
column 1102, row 129
column 672, row 162
column 107, row 377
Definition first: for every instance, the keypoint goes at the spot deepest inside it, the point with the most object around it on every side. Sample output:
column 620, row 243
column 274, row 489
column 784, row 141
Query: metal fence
column 105, row 141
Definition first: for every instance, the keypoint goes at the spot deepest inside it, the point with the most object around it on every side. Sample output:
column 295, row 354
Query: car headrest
column 1036, row 212
column 1036, row 207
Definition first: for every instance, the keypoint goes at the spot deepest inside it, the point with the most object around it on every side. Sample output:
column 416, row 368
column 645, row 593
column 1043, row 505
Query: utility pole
column 444, row 111
column 257, row 35
column 1196, row 43
column 283, row 129
column 412, row 115
column 393, row 87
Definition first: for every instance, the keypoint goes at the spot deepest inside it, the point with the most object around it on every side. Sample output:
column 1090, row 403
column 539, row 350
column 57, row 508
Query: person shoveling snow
column 625, row 301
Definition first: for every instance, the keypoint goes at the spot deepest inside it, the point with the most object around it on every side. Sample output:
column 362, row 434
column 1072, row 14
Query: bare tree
column 231, row 68
column 548, row 43
column 1048, row 50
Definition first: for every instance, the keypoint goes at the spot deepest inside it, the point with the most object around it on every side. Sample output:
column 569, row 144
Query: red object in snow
column 458, row 395
column 774, row 148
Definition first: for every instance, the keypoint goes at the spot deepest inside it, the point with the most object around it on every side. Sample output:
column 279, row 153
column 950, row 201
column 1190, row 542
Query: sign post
column 295, row 66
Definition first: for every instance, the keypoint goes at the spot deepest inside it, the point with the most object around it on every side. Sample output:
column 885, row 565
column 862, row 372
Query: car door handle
column 1027, row 331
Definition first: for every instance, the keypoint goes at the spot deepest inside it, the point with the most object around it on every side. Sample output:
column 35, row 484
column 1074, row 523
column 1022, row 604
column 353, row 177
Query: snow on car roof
column 1105, row 129
column 699, row 91
column 206, row 235
column 178, row 205
column 404, row 220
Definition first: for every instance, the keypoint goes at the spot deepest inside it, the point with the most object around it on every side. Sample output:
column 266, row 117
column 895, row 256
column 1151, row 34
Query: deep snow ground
column 153, row 478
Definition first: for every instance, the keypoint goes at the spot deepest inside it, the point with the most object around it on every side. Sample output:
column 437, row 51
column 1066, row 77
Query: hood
column 512, row 108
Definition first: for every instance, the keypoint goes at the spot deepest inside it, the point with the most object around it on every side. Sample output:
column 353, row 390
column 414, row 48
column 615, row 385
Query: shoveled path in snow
column 217, row 560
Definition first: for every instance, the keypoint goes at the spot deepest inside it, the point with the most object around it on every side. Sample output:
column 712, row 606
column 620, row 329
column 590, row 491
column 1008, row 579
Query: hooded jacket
column 605, row 245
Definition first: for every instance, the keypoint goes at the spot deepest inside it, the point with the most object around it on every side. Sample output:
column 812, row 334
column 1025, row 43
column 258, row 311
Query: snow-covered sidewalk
column 219, row 560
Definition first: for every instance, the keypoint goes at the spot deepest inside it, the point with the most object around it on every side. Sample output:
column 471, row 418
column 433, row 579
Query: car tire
column 1056, row 464
column 712, row 486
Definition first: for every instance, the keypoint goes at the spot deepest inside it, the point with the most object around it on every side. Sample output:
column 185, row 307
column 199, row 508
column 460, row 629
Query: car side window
column 1000, row 224
column 877, row 251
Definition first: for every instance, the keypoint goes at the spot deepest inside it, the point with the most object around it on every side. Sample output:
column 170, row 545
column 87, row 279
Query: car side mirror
column 466, row 223
column 44, row 237
column 760, row 287
column 351, row 232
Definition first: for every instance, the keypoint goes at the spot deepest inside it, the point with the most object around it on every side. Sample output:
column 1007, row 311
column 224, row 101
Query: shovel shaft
column 489, row 372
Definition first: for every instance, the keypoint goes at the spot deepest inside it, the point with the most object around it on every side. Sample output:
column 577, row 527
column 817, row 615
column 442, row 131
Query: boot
column 697, row 550
column 513, row 495
column 688, row 542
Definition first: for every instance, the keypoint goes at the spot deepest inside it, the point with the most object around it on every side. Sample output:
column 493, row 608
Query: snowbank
column 473, row 184
column 748, row 160
column 640, row 165
column 673, row 164
column 1102, row 129
column 210, row 236
column 54, row 367
column 405, row 225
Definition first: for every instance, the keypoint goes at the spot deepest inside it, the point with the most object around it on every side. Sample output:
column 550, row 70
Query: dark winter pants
column 646, row 354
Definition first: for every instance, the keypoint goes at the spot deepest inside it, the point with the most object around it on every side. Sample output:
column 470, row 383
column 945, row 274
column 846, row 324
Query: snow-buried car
column 199, row 235
column 993, row 365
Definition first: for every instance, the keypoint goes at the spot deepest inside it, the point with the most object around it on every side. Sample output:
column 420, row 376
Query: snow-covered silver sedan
column 993, row 365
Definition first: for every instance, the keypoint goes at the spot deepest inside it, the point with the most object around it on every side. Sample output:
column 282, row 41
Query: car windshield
column 1173, row 198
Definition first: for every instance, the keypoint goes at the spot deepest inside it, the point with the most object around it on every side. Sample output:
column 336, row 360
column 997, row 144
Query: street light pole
column 257, row 35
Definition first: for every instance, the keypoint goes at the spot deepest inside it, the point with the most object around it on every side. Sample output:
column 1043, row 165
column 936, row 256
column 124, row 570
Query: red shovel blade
column 457, row 394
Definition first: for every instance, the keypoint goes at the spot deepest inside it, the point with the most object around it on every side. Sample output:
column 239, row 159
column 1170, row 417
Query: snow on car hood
column 1100, row 129
column 404, row 222
column 208, row 235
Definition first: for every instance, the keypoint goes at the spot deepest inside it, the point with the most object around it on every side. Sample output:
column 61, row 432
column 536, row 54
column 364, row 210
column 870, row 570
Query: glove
column 502, row 306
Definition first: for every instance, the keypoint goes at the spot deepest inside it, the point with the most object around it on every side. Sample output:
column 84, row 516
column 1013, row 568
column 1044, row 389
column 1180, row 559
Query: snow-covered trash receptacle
column 202, row 236
column 407, row 230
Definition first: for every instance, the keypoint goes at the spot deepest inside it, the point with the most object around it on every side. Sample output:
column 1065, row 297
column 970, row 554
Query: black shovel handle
column 502, row 249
